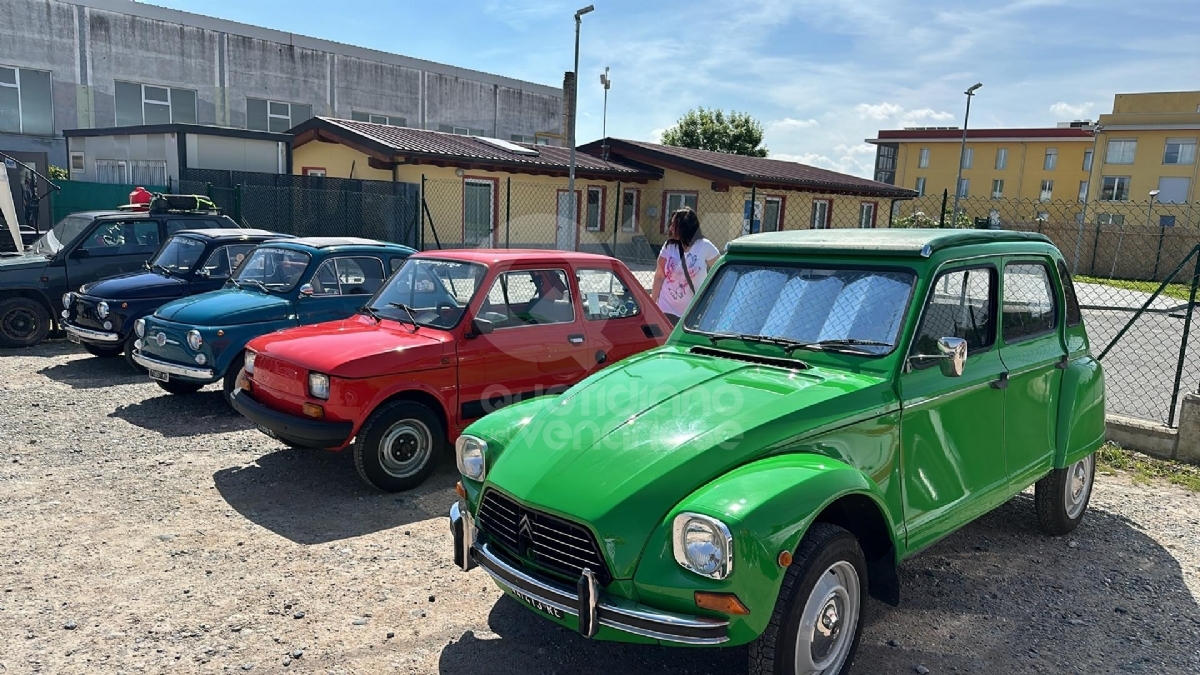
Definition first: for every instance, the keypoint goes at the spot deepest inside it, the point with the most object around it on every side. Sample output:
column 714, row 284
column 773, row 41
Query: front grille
column 532, row 536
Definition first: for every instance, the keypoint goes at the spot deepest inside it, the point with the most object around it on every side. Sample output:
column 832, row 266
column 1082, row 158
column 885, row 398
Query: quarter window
column 961, row 305
column 529, row 297
column 1030, row 307
column 224, row 260
column 348, row 276
column 605, row 296
column 150, row 104
column 1074, row 316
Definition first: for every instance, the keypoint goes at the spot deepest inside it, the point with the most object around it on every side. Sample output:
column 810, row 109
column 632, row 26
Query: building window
column 595, row 208
column 460, row 131
column 1121, row 152
column 767, row 215
column 1050, row 163
column 112, row 171
column 314, row 171
column 964, row 188
column 920, row 186
column 866, row 214
column 275, row 116
column 968, row 158
column 389, row 120
column 1001, row 158
column 885, row 163
column 148, row 172
column 821, row 212
column 26, row 106
column 77, row 163
column 479, row 211
column 1047, row 190
column 1180, row 151
column 673, row 201
column 1083, row 190
column 629, row 209
column 1087, row 159
column 1173, row 189
column 1114, row 189
column 150, row 104
column 1109, row 219
column 522, row 138
column 923, row 159
column 998, row 188
column 772, row 220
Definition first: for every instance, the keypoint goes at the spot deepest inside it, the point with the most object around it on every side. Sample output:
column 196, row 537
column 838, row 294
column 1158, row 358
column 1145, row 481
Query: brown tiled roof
column 732, row 169
column 389, row 143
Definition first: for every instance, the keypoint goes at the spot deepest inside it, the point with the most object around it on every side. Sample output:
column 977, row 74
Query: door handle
column 1001, row 382
column 575, row 339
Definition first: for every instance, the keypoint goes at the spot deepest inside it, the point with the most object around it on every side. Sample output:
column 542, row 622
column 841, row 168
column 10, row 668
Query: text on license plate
column 538, row 604
column 71, row 337
column 159, row 375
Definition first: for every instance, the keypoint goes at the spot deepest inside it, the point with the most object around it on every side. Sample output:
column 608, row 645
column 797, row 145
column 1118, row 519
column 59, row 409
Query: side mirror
column 306, row 290
column 80, row 253
column 204, row 272
column 480, row 327
column 953, row 354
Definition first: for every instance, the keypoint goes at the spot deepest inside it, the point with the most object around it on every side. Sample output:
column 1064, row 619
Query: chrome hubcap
column 1079, row 486
column 828, row 622
column 405, row 448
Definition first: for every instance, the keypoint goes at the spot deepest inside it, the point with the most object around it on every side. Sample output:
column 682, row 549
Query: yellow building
column 486, row 192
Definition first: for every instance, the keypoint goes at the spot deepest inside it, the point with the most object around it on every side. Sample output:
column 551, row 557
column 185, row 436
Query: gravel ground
column 151, row 533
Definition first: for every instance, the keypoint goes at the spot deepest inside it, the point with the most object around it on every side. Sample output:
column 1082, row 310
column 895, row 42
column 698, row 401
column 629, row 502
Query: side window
column 224, row 260
column 1029, row 302
column 122, row 238
column 395, row 263
column 605, row 296
column 1074, row 317
column 529, row 297
column 962, row 305
column 348, row 276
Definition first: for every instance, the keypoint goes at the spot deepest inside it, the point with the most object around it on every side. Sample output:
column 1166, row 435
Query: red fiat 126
column 450, row 337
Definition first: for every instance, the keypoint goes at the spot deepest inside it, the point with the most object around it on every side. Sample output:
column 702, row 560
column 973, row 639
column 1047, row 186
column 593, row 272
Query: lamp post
column 574, row 114
column 1087, row 198
column 962, row 154
column 1162, row 232
column 604, row 118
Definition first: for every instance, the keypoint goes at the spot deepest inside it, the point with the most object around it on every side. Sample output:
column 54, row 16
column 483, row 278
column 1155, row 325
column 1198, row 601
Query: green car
column 832, row 403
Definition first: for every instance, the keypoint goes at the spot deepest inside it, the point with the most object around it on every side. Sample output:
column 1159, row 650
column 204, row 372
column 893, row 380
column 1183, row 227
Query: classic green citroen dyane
column 833, row 402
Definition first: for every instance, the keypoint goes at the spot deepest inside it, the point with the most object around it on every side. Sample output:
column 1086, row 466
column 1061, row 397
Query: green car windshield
column 801, row 307
column 63, row 233
column 179, row 255
column 429, row 292
column 272, row 269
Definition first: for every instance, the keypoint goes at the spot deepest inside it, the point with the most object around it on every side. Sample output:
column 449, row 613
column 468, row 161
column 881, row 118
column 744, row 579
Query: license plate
column 265, row 430
column 160, row 376
column 538, row 604
column 71, row 337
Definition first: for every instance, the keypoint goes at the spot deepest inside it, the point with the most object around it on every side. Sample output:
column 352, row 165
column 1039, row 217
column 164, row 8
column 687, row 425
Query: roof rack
column 162, row 203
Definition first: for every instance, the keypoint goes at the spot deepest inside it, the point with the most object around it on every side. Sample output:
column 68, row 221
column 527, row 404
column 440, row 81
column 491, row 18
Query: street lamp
column 962, row 154
column 574, row 114
column 607, row 83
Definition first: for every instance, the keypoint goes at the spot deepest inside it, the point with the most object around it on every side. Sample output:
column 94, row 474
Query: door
column 479, row 212
column 112, row 247
column 1032, row 349
column 616, row 326
column 567, row 222
column 340, row 285
column 538, row 344
column 951, row 428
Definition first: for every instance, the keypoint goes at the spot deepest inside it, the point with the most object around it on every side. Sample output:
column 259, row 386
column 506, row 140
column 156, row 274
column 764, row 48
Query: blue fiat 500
column 195, row 341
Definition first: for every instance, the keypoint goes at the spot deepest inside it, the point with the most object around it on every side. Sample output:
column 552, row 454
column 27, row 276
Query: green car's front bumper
column 583, row 607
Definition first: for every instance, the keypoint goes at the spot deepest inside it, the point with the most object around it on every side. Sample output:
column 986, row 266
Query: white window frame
column 1001, row 159
column 1089, row 156
column 121, row 166
column 968, row 158
column 825, row 208
column 20, row 102
column 1047, row 191
column 1182, row 143
column 1084, row 188
column 684, row 195
column 923, row 158
column 920, row 187
column 998, row 188
column 599, row 227
column 170, row 102
column 1123, row 144
column 1117, row 182
column 77, row 155
column 271, row 115
column 629, row 220
column 1050, row 161
column 865, row 223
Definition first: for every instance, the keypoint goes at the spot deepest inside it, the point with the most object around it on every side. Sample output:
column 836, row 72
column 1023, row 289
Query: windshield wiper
column 165, row 271
column 839, row 344
column 786, row 343
column 407, row 310
column 255, row 282
column 368, row 310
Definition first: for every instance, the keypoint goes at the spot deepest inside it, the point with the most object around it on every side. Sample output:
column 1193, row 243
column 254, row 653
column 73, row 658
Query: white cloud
column 892, row 111
column 879, row 111
column 1063, row 109
column 789, row 124
column 657, row 134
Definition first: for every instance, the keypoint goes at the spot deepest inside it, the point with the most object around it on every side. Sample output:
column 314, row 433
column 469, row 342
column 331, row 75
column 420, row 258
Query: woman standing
column 675, row 284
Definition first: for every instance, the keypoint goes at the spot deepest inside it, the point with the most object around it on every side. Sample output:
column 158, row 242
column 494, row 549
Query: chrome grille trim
column 551, row 542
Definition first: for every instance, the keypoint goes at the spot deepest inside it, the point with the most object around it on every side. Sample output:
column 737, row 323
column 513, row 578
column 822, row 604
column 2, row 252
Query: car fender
column 398, row 388
column 1081, row 428
column 768, row 506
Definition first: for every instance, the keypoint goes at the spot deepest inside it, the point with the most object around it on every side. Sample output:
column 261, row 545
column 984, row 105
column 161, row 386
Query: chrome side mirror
column 953, row 354
column 306, row 289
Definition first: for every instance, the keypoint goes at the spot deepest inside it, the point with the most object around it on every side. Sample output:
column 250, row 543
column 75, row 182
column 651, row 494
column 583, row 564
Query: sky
column 821, row 76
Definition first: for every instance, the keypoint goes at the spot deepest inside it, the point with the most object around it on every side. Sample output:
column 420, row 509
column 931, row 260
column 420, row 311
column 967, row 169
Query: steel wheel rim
column 1078, row 486
column 20, row 323
column 829, row 621
column 405, row 448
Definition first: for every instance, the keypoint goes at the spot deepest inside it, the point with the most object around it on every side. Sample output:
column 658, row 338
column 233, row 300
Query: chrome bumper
column 559, row 600
column 91, row 335
column 172, row 368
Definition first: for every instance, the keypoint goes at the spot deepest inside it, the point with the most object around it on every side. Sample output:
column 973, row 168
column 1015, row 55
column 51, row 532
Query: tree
column 920, row 219
column 734, row 133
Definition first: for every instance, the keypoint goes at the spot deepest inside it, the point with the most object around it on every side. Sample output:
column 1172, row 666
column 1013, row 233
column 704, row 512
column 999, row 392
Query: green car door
column 339, row 286
column 1032, row 350
column 952, row 428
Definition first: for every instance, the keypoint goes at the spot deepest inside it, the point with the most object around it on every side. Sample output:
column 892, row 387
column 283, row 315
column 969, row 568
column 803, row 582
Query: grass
column 1178, row 291
column 1112, row 458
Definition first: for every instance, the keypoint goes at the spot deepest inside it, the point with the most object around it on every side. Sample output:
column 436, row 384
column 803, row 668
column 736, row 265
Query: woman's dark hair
column 687, row 225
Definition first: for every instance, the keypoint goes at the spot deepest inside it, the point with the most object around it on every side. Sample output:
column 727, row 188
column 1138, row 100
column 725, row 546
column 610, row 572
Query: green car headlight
column 471, row 455
column 139, row 327
column 194, row 340
column 702, row 545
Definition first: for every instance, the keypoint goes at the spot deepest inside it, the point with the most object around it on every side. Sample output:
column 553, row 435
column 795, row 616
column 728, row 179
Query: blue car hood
column 137, row 286
column 226, row 307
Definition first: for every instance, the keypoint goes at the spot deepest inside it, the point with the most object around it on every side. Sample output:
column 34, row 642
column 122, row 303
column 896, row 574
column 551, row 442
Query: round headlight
column 194, row 340
column 471, row 456
column 139, row 327
column 67, row 299
column 102, row 310
column 248, row 364
column 318, row 385
column 703, row 545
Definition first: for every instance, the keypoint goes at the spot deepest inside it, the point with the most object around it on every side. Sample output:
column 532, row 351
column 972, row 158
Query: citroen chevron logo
column 524, row 529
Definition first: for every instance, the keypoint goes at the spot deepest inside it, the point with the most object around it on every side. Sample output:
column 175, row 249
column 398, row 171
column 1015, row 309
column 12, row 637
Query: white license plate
column 265, row 430
column 160, row 376
column 71, row 337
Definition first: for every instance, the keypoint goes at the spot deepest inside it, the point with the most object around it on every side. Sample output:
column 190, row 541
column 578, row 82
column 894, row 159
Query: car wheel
column 1061, row 498
column 817, row 622
column 129, row 349
column 180, row 387
column 102, row 352
column 229, row 383
column 23, row 322
column 399, row 445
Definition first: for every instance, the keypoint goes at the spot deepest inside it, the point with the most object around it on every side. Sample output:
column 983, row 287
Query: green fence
column 78, row 196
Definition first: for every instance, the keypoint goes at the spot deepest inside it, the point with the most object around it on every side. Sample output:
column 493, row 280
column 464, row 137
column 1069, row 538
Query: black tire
column 180, row 387
column 23, row 322
column 102, row 352
column 825, row 549
column 415, row 440
column 129, row 354
column 229, row 383
column 1062, row 497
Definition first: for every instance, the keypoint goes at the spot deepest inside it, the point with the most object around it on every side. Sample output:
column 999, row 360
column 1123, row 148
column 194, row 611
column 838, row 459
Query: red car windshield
column 436, row 292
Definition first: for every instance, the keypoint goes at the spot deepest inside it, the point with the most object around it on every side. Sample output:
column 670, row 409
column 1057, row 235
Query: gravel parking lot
column 145, row 532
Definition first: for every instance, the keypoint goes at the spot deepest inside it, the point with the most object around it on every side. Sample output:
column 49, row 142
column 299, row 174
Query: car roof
column 101, row 214
column 231, row 233
column 915, row 242
column 489, row 256
column 343, row 242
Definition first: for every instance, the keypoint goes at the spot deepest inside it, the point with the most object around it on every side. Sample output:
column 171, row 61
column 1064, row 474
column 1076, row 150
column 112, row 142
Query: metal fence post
column 945, row 197
column 421, row 209
column 208, row 190
column 1095, row 248
column 617, row 217
column 507, row 210
column 753, row 199
column 237, row 204
column 1183, row 343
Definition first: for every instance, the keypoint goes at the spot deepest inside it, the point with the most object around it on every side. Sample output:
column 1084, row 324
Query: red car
column 451, row 336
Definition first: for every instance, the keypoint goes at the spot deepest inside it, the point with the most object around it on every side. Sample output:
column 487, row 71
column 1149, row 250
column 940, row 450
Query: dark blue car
column 101, row 315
